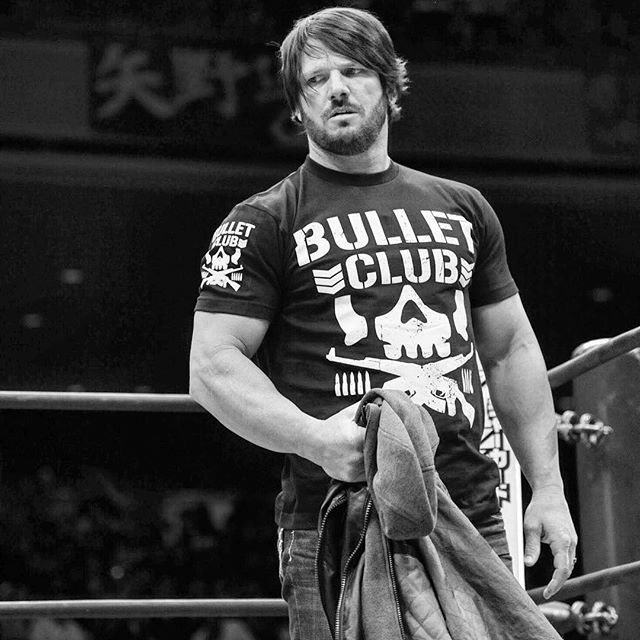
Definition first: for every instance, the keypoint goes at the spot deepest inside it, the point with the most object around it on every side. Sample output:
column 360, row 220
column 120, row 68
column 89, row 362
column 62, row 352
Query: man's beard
column 349, row 142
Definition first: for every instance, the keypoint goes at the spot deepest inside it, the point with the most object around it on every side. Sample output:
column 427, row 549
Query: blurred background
column 128, row 129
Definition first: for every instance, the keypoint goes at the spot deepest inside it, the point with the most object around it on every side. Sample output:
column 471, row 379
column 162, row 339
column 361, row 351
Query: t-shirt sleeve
column 240, row 272
column 492, row 281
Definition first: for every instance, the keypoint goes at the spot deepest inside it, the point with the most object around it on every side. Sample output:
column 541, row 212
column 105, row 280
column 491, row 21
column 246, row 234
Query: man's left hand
column 547, row 519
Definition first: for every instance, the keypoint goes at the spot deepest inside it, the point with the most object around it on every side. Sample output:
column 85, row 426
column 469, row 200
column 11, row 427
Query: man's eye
column 353, row 71
column 314, row 80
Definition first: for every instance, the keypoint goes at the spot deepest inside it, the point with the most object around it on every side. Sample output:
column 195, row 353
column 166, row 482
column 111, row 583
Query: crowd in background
column 91, row 537
column 529, row 32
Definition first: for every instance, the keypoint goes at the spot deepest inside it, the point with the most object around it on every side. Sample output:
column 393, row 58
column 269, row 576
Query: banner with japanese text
column 190, row 95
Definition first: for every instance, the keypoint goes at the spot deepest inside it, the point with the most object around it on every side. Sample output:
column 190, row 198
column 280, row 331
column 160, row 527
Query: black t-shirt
column 368, row 281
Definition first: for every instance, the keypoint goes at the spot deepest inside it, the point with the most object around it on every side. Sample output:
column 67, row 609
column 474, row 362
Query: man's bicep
column 499, row 326
column 212, row 331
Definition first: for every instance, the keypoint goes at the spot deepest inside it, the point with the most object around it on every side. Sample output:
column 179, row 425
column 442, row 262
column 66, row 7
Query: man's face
column 343, row 107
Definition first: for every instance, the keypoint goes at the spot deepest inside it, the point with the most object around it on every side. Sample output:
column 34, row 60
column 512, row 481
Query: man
column 355, row 272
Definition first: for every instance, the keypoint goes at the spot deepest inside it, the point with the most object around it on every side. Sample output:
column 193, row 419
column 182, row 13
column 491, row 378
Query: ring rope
column 591, row 582
column 252, row 607
column 132, row 608
column 99, row 401
column 189, row 608
column 183, row 403
column 597, row 355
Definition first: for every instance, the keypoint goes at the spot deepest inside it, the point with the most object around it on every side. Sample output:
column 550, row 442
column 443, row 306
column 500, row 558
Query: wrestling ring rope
column 250, row 607
column 182, row 403
column 255, row 607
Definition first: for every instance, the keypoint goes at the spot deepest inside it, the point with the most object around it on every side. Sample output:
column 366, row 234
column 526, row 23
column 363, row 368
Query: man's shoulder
column 439, row 183
column 276, row 200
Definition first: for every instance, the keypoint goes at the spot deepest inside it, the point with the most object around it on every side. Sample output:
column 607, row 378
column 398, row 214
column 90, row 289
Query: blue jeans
column 297, row 553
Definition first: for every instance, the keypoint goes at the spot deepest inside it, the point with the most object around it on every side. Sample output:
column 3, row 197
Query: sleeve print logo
column 220, row 268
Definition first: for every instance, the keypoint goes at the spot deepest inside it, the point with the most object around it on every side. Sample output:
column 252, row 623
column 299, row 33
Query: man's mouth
column 342, row 112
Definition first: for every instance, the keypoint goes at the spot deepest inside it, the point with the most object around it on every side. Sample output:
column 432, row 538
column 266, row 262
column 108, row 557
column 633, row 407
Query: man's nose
column 338, row 88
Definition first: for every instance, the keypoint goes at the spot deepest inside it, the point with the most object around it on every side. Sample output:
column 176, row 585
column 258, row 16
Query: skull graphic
column 411, row 330
column 217, row 271
column 425, row 329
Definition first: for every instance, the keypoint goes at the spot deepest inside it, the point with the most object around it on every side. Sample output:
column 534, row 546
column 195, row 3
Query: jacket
column 397, row 559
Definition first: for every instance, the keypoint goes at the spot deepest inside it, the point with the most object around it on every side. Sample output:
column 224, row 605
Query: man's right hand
column 341, row 450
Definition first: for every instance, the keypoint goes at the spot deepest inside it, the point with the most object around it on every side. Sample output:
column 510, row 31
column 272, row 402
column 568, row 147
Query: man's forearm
column 520, row 392
column 234, row 390
column 225, row 381
column 522, row 398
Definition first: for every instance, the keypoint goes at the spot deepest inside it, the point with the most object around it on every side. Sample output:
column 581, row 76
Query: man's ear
column 296, row 117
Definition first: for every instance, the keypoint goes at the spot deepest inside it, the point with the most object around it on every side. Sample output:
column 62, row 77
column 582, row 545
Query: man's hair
column 356, row 34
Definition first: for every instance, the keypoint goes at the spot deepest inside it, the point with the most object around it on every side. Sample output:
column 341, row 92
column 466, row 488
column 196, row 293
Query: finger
column 532, row 546
column 558, row 578
column 563, row 561
column 357, row 470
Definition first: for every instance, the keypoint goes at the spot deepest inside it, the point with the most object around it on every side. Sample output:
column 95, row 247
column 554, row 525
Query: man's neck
column 373, row 160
